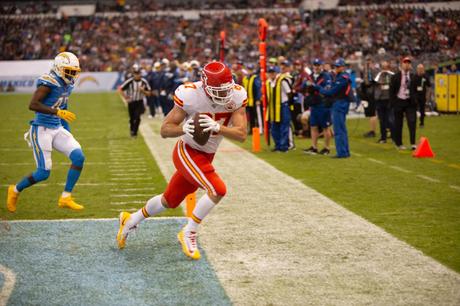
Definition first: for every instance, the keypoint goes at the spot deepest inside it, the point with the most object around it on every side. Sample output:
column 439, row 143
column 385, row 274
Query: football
column 199, row 135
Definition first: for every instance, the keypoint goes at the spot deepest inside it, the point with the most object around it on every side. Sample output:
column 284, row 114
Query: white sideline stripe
column 400, row 169
column 455, row 187
column 427, row 178
column 376, row 161
column 130, row 195
column 132, row 189
column 357, row 154
column 82, row 220
column 131, row 179
column 8, row 284
column 129, row 159
column 128, row 202
column 122, row 165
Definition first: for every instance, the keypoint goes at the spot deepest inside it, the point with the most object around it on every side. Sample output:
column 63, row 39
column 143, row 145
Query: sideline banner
column 21, row 76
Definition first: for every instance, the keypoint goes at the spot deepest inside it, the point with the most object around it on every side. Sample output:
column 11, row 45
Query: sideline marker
column 423, row 149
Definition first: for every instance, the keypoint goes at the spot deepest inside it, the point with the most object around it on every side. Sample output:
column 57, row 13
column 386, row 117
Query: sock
column 153, row 207
column 78, row 160
column 16, row 189
column 65, row 194
column 202, row 209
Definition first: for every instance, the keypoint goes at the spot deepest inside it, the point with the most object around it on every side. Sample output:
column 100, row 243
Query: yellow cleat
column 121, row 237
column 11, row 199
column 68, row 202
column 189, row 244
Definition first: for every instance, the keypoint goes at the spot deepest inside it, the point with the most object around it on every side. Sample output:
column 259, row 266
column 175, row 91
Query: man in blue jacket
column 340, row 92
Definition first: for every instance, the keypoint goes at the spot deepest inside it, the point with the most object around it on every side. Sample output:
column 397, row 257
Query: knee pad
column 41, row 174
column 77, row 157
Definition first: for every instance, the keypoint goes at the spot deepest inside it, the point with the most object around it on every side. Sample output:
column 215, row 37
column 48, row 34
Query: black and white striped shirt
column 133, row 88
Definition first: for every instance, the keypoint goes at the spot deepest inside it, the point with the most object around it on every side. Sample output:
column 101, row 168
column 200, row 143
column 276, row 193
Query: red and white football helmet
column 218, row 82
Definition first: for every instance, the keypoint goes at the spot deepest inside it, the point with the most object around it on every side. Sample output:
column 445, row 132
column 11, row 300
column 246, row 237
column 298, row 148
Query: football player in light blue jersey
column 49, row 130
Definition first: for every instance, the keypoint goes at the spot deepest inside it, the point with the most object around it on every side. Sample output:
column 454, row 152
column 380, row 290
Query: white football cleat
column 189, row 244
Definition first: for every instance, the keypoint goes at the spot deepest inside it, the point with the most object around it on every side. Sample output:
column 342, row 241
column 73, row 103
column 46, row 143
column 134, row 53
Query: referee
column 134, row 89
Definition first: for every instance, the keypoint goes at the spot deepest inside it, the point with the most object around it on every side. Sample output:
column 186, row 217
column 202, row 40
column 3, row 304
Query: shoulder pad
column 240, row 96
column 185, row 92
column 48, row 80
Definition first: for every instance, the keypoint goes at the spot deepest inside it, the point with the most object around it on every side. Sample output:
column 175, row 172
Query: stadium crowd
column 108, row 43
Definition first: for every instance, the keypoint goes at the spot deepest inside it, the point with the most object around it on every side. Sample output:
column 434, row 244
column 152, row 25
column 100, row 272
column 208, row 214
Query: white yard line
column 129, row 202
column 455, row 187
column 273, row 240
column 376, row 161
column 131, row 178
column 9, row 279
column 427, row 178
column 130, row 195
column 132, row 189
column 400, row 169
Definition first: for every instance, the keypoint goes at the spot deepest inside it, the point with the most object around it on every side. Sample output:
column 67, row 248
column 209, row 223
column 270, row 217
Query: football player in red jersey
column 221, row 105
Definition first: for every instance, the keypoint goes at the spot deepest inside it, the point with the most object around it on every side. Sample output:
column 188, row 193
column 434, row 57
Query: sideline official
column 134, row 90
column 340, row 92
column 421, row 87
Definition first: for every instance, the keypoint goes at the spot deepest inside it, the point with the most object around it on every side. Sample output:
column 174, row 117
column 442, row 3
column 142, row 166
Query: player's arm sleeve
column 179, row 96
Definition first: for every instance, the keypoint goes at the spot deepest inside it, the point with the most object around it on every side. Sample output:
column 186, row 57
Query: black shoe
column 382, row 141
column 421, row 125
column 311, row 150
column 413, row 147
column 274, row 150
column 369, row 134
column 325, row 151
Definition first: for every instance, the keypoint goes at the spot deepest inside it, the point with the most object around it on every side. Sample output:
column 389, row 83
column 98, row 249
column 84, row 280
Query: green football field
column 416, row 200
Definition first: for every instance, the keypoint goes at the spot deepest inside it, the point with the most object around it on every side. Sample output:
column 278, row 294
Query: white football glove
column 188, row 127
column 209, row 124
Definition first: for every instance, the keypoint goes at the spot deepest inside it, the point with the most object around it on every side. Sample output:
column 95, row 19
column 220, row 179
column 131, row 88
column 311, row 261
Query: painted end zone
column 78, row 263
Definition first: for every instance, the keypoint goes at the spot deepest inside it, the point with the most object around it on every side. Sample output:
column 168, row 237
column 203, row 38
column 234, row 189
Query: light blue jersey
column 57, row 99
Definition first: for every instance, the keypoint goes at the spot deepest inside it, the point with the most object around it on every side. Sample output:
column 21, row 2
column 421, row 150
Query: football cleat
column 189, row 244
column 68, row 202
column 11, row 199
column 122, row 232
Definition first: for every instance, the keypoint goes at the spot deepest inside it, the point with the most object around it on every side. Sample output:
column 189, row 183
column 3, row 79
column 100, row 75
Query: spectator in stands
column 421, row 86
column 403, row 103
column 382, row 100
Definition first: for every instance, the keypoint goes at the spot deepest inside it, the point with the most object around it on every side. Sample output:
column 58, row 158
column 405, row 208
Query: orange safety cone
column 255, row 140
column 190, row 202
column 423, row 149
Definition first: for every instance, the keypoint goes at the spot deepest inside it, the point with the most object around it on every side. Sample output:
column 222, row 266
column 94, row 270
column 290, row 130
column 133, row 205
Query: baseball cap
column 317, row 61
column 406, row 59
column 340, row 62
column 271, row 69
column 250, row 66
column 273, row 60
column 286, row 63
